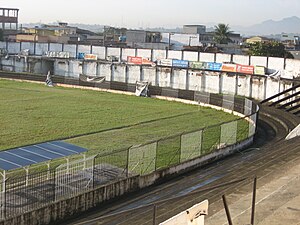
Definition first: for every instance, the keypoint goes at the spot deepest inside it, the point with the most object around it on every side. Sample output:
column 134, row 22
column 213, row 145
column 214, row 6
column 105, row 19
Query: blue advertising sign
column 180, row 63
column 214, row 66
column 80, row 55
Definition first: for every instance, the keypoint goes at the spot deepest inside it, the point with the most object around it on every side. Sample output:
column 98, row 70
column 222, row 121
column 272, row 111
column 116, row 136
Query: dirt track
column 269, row 159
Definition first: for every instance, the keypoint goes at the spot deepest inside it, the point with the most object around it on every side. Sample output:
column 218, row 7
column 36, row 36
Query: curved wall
column 193, row 148
column 259, row 87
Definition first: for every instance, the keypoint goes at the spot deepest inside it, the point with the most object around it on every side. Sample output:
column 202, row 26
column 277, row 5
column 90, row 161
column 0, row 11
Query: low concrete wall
column 67, row 208
column 79, row 204
column 40, row 49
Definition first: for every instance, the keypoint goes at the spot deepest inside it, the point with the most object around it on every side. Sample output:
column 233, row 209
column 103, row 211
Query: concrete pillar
column 141, row 73
column 187, row 80
column 203, row 82
column 265, row 88
column 250, row 86
column 105, row 53
column 236, row 84
column 121, row 54
column 126, row 74
column 136, row 52
column 220, row 83
column 151, row 58
column 156, row 76
column 172, row 78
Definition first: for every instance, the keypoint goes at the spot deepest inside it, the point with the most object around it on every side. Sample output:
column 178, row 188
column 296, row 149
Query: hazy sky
column 153, row 13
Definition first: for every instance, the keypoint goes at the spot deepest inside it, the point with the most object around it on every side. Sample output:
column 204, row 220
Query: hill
column 286, row 25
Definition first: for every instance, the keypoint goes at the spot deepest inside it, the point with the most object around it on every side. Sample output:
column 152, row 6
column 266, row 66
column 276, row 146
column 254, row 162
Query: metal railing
column 25, row 193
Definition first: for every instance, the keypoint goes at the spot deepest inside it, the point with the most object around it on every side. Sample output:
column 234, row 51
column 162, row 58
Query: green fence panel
column 111, row 167
column 242, row 129
column 252, row 125
column 211, row 139
column 228, row 134
column 190, row 145
column 142, row 159
column 168, row 152
column 247, row 107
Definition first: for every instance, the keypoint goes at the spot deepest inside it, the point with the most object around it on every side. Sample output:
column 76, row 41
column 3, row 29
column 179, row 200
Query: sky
column 153, row 13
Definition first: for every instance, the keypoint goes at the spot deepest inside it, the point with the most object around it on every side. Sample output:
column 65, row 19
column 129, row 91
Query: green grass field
column 32, row 113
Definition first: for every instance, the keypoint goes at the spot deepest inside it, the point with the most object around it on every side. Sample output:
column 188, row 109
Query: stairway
column 288, row 100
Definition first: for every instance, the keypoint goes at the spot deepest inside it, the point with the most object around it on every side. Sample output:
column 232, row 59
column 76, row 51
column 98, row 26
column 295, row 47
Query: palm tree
column 222, row 32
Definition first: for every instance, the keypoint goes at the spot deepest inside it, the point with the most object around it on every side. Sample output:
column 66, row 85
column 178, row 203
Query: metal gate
column 74, row 178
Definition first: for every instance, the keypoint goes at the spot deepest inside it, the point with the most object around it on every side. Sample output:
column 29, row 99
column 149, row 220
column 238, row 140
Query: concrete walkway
column 277, row 201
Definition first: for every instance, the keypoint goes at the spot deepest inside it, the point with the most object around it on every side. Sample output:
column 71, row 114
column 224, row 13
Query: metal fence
column 23, row 193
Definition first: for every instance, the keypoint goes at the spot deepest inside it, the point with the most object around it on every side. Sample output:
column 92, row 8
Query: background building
column 142, row 38
column 290, row 41
column 9, row 21
column 254, row 39
column 194, row 29
column 61, row 33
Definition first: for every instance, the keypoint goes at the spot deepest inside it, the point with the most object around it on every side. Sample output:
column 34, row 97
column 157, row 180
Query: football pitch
column 99, row 121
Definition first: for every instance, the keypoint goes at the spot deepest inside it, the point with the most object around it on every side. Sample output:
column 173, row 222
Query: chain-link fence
column 26, row 192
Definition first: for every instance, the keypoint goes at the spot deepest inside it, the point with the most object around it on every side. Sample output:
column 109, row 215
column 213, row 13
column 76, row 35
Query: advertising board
column 260, row 70
column 80, row 55
column 180, row 63
column 229, row 67
column 165, row 62
column 245, row 69
column 134, row 60
column 198, row 65
column 90, row 57
column 148, row 62
column 214, row 66
column 52, row 54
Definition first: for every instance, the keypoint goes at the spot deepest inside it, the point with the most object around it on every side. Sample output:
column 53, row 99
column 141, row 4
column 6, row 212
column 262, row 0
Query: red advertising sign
column 245, row 69
column 229, row 67
column 135, row 60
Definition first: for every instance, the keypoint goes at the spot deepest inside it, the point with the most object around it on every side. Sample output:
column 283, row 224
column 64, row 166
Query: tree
column 272, row 49
column 222, row 33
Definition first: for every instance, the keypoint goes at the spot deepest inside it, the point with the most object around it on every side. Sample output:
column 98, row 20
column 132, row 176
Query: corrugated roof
column 33, row 154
